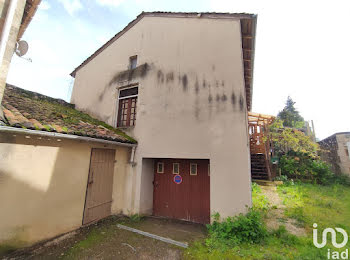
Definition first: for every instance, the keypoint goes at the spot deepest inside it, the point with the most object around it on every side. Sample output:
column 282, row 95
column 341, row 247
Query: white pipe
column 7, row 28
column 132, row 157
column 63, row 136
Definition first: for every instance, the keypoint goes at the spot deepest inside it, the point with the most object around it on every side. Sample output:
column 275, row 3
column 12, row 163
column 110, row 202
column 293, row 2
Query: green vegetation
column 73, row 116
column 136, row 218
column 290, row 116
column 298, row 154
column 236, row 230
column 6, row 249
column 328, row 206
column 48, row 110
column 260, row 202
column 95, row 237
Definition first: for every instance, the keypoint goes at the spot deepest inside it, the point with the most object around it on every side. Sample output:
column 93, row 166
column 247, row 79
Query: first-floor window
column 160, row 167
column 193, row 169
column 176, row 168
column 127, row 107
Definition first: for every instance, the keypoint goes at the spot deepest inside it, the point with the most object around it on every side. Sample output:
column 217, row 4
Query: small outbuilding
column 59, row 168
column 336, row 151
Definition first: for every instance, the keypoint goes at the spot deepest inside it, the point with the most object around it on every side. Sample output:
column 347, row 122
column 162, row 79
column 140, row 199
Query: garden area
column 280, row 223
column 248, row 237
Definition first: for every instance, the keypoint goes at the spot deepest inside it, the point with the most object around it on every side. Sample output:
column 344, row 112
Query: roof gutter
column 255, row 18
column 8, row 129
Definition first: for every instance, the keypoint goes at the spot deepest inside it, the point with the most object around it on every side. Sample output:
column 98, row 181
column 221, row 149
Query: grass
column 328, row 206
column 6, row 249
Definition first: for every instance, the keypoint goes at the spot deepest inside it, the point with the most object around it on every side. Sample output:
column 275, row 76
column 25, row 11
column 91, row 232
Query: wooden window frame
column 160, row 163
column 178, row 167
column 208, row 169
column 127, row 108
column 193, row 174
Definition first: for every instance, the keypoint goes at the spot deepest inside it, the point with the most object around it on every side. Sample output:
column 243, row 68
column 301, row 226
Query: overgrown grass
column 328, row 206
column 260, row 202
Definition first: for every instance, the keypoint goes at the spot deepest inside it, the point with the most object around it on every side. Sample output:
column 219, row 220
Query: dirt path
column 276, row 215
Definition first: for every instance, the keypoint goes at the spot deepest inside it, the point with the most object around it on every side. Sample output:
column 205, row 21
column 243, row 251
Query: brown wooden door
column 189, row 200
column 100, row 185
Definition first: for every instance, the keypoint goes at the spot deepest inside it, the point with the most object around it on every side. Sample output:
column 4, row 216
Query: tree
column 290, row 116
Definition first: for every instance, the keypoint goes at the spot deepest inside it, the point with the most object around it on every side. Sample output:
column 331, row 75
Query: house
column 59, row 168
column 180, row 84
column 336, row 151
column 15, row 17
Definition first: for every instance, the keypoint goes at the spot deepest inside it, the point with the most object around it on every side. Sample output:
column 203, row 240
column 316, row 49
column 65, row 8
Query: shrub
column 299, row 166
column 233, row 231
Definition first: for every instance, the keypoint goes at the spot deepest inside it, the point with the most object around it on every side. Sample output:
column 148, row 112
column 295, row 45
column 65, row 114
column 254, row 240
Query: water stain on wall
column 129, row 74
column 160, row 76
column 184, row 82
column 241, row 102
column 233, row 98
column 204, row 84
column 223, row 97
column 169, row 76
column 196, row 86
column 196, row 110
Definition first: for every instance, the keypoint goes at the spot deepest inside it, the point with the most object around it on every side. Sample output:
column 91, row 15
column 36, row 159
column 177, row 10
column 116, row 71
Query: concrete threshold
column 163, row 239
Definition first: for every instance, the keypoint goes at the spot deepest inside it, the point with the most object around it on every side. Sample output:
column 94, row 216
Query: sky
column 302, row 50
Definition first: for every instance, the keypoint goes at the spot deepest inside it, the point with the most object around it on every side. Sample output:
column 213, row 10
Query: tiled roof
column 26, row 109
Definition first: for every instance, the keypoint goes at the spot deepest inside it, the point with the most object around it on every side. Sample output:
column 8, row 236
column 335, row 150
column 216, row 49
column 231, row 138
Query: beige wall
column 43, row 185
column 344, row 160
column 191, row 101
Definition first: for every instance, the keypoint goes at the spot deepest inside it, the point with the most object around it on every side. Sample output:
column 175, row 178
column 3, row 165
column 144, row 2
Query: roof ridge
column 39, row 96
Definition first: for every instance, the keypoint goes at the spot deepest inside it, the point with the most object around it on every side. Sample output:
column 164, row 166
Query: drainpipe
column 132, row 156
column 9, row 37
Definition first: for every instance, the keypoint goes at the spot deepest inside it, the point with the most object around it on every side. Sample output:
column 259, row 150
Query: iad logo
column 334, row 254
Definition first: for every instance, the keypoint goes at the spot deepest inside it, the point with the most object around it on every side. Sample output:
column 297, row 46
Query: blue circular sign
column 177, row 179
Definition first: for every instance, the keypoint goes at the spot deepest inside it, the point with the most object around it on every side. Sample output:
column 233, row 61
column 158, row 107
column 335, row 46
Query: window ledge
column 126, row 127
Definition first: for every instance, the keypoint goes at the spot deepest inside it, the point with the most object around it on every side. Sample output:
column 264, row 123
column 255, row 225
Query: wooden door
column 98, row 199
column 189, row 200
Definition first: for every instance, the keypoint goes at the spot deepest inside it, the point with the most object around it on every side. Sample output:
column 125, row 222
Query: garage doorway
column 98, row 199
column 186, row 197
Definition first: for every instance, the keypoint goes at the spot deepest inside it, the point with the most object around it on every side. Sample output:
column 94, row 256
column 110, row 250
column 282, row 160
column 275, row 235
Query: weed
column 260, row 202
column 328, row 206
column 236, row 230
column 136, row 218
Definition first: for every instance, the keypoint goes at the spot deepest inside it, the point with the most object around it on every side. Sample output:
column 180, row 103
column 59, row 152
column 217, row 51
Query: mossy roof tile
column 32, row 110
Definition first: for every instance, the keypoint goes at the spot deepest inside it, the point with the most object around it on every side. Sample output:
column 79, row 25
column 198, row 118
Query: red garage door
column 186, row 197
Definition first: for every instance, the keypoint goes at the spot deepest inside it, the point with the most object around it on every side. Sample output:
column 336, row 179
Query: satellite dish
column 21, row 48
